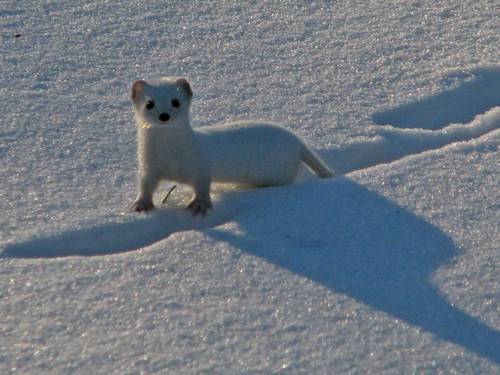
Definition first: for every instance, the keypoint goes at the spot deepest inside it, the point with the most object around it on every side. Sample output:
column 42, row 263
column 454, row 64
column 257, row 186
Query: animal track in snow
column 478, row 92
column 468, row 111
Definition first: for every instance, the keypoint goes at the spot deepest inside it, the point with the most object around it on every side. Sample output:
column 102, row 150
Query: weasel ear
column 183, row 82
column 137, row 88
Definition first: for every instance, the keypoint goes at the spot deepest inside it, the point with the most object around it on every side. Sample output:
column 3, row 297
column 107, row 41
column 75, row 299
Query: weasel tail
column 315, row 163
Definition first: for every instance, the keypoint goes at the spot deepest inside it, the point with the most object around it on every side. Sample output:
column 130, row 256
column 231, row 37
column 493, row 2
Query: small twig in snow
column 168, row 194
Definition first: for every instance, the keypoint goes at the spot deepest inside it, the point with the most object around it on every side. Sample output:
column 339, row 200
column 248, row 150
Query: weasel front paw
column 199, row 206
column 140, row 205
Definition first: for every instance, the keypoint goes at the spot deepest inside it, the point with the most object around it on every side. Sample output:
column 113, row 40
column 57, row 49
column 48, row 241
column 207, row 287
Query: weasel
column 246, row 153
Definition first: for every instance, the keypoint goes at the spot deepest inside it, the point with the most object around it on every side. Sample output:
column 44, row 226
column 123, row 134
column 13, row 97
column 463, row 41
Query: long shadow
column 138, row 231
column 341, row 235
column 458, row 105
column 354, row 241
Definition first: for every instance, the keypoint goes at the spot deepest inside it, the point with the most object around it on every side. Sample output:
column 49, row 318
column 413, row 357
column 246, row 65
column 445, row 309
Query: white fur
column 247, row 153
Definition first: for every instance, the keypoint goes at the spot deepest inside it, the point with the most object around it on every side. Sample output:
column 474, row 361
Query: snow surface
column 391, row 267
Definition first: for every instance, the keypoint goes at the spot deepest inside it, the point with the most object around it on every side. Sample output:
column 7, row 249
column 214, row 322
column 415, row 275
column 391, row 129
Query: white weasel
column 246, row 153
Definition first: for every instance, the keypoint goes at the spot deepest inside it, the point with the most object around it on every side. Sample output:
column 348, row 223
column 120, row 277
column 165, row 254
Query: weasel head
column 162, row 103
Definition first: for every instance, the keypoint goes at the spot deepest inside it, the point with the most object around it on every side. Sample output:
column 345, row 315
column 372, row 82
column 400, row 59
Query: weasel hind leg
column 315, row 163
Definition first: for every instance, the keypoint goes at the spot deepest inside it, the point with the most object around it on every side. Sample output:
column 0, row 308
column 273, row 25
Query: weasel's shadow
column 458, row 105
column 337, row 233
column 354, row 241
column 137, row 231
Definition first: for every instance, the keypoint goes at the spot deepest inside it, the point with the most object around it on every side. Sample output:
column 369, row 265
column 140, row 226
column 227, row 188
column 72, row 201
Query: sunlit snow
column 390, row 267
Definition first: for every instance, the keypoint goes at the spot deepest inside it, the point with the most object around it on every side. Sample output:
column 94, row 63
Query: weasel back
column 255, row 154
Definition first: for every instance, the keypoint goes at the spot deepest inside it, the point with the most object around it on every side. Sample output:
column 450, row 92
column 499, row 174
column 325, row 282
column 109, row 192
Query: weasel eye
column 175, row 103
column 150, row 104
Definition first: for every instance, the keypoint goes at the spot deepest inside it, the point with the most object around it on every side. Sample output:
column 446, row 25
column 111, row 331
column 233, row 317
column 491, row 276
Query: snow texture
column 391, row 267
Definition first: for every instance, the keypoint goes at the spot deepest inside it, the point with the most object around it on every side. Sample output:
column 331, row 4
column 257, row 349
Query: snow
column 391, row 267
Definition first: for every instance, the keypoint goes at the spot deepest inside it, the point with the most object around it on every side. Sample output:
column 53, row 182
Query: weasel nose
column 164, row 117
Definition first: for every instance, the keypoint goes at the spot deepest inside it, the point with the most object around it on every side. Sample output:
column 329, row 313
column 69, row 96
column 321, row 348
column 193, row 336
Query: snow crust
column 391, row 267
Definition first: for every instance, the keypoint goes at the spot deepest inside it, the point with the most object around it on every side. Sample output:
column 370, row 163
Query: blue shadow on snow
column 110, row 238
column 356, row 242
column 343, row 236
